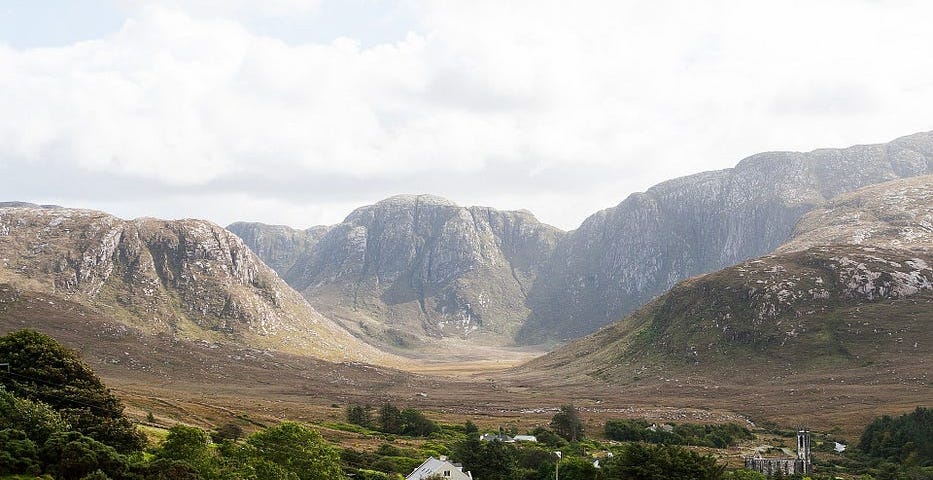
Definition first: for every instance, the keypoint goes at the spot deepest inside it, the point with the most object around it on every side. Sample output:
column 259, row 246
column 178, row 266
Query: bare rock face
column 895, row 214
column 622, row 257
column 187, row 277
column 413, row 267
column 278, row 246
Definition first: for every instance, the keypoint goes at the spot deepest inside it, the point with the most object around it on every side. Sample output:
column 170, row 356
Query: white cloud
column 491, row 102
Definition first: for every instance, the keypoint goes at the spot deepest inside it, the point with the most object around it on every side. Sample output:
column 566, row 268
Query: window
column 446, row 473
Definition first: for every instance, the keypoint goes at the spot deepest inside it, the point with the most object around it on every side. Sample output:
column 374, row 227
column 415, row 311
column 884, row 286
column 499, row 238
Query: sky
column 298, row 111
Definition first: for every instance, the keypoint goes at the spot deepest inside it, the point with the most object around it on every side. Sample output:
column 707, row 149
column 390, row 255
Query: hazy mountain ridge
column 621, row 257
column 279, row 246
column 415, row 266
column 188, row 277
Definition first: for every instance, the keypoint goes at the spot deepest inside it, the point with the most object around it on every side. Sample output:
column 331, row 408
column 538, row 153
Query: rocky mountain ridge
column 621, row 257
column 279, row 246
column 188, row 278
column 414, row 267
column 414, row 263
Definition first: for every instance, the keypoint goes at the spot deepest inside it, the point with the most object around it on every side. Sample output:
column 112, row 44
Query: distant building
column 526, row 438
column 785, row 465
column 441, row 467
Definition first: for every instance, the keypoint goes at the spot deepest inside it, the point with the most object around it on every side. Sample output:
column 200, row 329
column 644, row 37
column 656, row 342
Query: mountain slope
column 621, row 257
column 410, row 268
column 896, row 214
column 188, row 278
column 823, row 310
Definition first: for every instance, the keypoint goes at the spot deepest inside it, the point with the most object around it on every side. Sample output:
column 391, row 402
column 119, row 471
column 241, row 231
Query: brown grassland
column 208, row 384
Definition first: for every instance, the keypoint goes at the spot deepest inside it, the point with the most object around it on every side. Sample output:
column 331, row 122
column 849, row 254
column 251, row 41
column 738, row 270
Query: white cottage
column 441, row 467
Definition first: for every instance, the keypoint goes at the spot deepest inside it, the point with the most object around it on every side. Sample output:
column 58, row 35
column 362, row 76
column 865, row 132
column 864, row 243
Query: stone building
column 785, row 465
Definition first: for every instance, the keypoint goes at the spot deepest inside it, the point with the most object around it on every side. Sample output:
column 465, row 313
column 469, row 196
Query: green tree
column 567, row 423
column 576, row 468
column 71, row 455
column 359, row 415
column 390, row 419
column 190, row 445
column 164, row 469
column 905, row 439
column 42, row 370
column 548, row 437
column 470, row 427
column 661, row 462
column 36, row 419
column 486, row 460
column 18, row 454
column 416, row 424
column 289, row 451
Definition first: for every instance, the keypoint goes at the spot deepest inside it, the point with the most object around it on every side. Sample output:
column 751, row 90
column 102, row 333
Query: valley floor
column 207, row 384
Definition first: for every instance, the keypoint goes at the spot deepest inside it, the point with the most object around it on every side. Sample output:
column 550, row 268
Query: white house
column 526, row 438
column 439, row 466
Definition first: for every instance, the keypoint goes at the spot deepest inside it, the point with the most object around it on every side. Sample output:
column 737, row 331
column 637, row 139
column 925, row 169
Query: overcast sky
column 296, row 112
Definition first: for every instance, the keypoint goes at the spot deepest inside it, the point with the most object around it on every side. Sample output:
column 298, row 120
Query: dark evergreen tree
column 359, row 415
column 905, row 439
column 42, row 370
column 390, row 419
column 567, row 423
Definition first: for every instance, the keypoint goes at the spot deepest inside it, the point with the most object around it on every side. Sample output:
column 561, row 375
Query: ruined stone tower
column 803, row 449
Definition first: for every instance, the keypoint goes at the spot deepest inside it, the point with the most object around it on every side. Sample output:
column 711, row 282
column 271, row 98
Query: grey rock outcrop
column 622, row 257
column 188, row 278
column 417, row 266
column 895, row 214
column 278, row 246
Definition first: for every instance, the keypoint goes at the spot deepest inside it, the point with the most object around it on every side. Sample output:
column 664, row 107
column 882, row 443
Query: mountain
column 837, row 317
column 187, row 278
column 622, row 257
column 843, row 309
column 278, row 246
column 415, row 267
column 895, row 214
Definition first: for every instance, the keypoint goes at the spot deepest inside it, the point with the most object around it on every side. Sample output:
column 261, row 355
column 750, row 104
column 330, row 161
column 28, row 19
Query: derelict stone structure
column 786, row 466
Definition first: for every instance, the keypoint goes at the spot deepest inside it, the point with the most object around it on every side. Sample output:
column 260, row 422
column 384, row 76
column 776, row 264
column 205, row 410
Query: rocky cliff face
column 188, row 277
column 278, row 246
column 895, row 214
column 412, row 267
column 621, row 257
